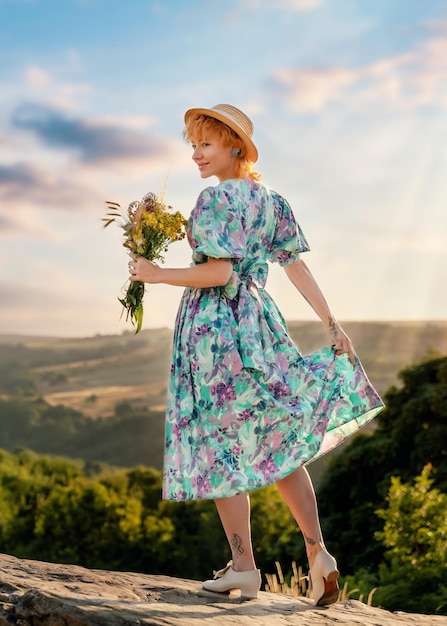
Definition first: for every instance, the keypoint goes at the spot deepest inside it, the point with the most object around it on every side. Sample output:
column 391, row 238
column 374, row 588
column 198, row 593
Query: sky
column 349, row 104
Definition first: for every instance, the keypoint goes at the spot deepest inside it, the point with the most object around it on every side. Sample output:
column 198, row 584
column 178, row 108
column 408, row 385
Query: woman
column 245, row 409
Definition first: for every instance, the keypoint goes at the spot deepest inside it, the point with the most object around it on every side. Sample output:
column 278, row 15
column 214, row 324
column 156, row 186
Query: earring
column 235, row 152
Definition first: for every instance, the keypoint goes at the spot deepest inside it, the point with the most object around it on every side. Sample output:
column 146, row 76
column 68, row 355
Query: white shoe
column 227, row 579
column 323, row 577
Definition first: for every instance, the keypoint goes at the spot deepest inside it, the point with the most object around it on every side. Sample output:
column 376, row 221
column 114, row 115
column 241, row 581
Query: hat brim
column 252, row 152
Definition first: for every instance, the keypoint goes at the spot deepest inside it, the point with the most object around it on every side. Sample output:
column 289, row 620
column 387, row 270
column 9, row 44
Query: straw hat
column 236, row 120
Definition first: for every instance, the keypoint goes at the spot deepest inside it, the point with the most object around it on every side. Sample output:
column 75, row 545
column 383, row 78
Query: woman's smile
column 214, row 159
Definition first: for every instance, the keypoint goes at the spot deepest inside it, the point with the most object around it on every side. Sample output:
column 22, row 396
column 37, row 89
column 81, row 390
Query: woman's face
column 214, row 159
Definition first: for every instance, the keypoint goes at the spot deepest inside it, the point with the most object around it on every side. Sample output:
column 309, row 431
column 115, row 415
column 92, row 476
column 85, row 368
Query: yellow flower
column 149, row 228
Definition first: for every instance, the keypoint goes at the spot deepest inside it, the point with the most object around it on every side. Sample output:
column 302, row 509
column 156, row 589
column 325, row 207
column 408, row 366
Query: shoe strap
column 223, row 571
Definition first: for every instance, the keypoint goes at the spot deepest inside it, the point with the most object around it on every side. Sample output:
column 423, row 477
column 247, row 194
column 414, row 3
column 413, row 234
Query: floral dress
column 245, row 408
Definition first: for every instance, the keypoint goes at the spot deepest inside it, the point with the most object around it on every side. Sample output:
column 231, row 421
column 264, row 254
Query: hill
column 92, row 374
column 107, row 392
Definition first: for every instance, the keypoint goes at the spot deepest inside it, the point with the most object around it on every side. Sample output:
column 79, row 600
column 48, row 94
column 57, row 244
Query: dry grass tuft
column 299, row 585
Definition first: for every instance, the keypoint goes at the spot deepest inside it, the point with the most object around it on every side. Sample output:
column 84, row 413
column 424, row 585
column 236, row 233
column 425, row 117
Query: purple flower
column 223, row 392
column 203, row 486
column 267, row 467
column 279, row 389
column 265, row 240
column 194, row 308
column 203, row 330
column 246, row 414
column 177, row 429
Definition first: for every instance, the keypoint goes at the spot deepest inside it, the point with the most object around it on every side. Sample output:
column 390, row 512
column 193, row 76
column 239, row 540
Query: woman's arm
column 213, row 273
column 302, row 278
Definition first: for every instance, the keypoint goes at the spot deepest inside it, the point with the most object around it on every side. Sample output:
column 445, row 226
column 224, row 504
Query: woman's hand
column 340, row 341
column 302, row 278
column 144, row 271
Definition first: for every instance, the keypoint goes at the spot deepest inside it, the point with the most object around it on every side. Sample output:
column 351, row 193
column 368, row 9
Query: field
column 119, row 382
column 94, row 374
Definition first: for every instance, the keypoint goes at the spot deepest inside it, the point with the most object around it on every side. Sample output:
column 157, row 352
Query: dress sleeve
column 289, row 240
column 216, row 228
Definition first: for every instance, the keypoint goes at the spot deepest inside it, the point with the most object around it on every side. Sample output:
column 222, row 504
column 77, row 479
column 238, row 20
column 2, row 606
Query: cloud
column 7, row 224
column 32, row 302
column 37, row 78
column 27, row 224
column 23, row 185
column 95, row 142
column 288, row 5
column 48, row 85
column 404, row 81
column 299, row 5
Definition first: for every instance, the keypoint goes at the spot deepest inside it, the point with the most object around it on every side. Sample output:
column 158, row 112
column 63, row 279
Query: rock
column 49, row 594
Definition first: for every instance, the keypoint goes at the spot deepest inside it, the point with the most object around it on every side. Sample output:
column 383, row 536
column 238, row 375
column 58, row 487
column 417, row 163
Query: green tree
column 26, row 482
column 16, row 378
column 410, row 432
column 86, row 523
column 414, row 574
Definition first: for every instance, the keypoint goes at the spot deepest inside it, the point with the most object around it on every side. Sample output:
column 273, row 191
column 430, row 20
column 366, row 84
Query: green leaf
column 138, row 316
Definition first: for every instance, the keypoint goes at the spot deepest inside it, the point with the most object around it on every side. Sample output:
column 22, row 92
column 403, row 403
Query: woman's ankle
column 243, row 565
column 313, row 550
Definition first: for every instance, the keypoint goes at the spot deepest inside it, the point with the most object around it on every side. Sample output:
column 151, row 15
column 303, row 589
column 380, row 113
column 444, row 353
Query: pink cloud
column 406, row 80
column 28, row 185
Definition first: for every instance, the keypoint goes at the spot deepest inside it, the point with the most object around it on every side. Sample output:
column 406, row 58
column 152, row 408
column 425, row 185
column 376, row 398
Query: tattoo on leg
column 236, row 544
column 309, row 540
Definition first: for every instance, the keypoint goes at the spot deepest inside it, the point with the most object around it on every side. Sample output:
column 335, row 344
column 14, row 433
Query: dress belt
column 251, row 334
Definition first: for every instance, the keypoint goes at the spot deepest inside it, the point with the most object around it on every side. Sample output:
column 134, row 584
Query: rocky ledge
column 33, row 593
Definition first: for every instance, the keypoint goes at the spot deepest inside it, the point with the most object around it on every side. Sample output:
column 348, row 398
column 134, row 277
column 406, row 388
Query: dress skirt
column 245, row 408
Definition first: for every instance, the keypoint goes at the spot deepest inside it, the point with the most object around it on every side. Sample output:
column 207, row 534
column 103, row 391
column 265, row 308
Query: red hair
column 199, row 126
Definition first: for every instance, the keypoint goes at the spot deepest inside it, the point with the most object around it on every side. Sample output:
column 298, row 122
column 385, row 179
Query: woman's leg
column 234, row 513
column 299, row 495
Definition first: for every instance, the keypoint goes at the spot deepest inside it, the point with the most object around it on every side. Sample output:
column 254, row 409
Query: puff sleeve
column 288, row 241
column 215, row 227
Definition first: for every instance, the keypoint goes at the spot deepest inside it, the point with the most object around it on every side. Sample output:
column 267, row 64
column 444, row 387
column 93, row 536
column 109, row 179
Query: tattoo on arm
column 236, row 544
column 333, row 328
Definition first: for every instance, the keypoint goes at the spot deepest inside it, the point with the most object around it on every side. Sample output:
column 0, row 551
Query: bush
column 410, row 432
column 51, row 509
column 414, row 572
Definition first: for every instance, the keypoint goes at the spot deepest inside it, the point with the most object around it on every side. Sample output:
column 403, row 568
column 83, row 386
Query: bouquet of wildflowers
column 149, row 227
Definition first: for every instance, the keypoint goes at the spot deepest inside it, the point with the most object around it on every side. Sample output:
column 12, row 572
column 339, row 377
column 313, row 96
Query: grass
column 299, row 585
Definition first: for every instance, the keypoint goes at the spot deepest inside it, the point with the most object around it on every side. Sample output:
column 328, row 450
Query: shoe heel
column 249, row 592
column 324, row 574
column 333, row 575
